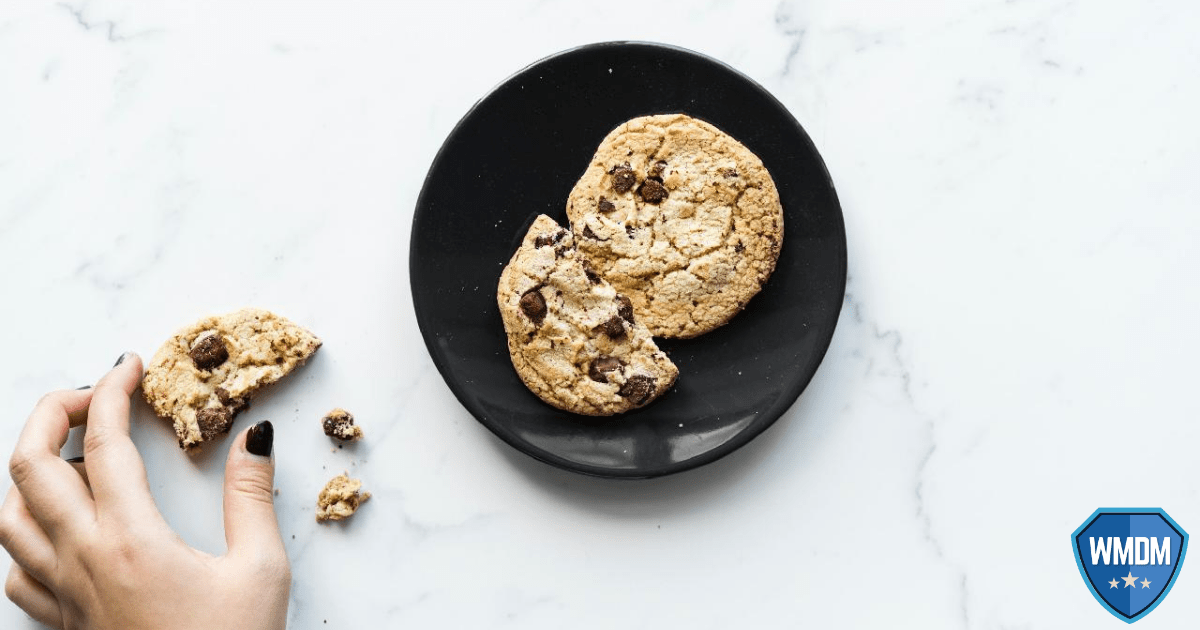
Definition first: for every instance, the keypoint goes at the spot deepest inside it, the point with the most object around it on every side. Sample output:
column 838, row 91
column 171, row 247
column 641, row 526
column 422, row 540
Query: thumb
column 250, row 525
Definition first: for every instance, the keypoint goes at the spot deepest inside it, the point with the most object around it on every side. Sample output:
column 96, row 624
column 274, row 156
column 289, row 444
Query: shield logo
column 1129, row 558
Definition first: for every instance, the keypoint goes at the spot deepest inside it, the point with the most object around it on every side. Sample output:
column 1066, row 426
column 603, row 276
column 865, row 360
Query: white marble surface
column 1020, row 185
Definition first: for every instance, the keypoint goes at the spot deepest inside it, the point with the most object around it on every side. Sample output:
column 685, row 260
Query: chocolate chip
column 236, row 404
column 214, row 421
column 739, row 248
column 605, row 205
column 613, row 328
column 625, row 308
column 588, row 233
column 339, row 424
column 534, row 306
column 602, row 367
column 656, row 169
column 629, row 230
column 638, row 388
column 729, row 172
column 653, row 191
column 623, row 178
column 209, row 352
column 549, row 239
column 592, row 276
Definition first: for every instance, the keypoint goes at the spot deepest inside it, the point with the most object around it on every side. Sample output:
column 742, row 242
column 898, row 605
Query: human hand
column 93, row 552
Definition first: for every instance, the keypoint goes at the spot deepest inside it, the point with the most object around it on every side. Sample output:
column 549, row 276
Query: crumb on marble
column 339, row 424
column 340, row 498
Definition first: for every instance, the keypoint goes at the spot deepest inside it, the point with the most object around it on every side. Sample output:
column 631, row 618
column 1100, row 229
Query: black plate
column 517, row 154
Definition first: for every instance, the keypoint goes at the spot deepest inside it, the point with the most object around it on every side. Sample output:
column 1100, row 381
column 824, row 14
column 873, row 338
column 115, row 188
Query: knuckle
column 115, row 554
column 278, row 568
column 124, row 554
column 50, row 399
column 271, row 569
column 7, row 526
column 98, row 438
column 12, row 584
column 22, row 465
column 253, row 487
column 118, row 545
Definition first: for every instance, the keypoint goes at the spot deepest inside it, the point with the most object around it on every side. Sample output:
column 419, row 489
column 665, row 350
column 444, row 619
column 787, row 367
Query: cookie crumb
column 339, row 424
column 340, row 498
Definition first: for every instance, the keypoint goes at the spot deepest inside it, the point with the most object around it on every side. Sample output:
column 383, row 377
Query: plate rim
column 789, row 397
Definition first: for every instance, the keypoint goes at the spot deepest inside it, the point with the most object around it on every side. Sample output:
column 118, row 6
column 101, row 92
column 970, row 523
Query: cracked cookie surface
column 573, row 340
column 205, row 374
column 680, row 217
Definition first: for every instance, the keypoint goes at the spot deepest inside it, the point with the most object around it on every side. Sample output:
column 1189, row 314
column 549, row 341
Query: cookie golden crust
column 680, row 217
column 206, row 373
column 573, row 339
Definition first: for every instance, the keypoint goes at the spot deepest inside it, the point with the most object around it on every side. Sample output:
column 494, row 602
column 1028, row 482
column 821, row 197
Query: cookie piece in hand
column 680, row 217
column 339, row 424
column 573, row 339
column 205, row 375
column 340, row 498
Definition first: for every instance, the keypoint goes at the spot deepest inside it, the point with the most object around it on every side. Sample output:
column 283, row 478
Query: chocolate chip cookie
column 573, row 339
column 679, row 217
column 205, row 375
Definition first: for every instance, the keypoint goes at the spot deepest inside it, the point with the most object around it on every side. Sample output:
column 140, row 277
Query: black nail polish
column 75, row 460
column 260, row 438
column 120, row 359
column 83, row 388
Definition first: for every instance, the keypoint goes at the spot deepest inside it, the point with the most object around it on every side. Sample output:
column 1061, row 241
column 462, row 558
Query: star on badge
column 1145, row 583
column 1113, row 583
column 1130, row 580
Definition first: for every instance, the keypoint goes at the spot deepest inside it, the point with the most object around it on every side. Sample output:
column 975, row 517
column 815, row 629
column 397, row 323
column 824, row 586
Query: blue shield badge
column 1129, row 558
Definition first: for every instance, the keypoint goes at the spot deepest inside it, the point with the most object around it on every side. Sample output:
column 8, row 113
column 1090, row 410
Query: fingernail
column 260, row 438
column 75, row 460
column 120, row 359
column 84, row 387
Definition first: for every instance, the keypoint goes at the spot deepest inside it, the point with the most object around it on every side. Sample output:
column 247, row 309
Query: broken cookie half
column 204, row 375
column 572, row 338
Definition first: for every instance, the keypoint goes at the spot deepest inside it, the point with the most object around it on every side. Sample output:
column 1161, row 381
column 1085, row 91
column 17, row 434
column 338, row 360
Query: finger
column 76, row 404
column 78, row 465
column 36, row 600
column 251, row 530
column 24, row 539
column 53, row 491
column 114, row 467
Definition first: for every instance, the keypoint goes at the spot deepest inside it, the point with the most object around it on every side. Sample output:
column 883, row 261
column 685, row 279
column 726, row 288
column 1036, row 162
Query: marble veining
column 1018, row 180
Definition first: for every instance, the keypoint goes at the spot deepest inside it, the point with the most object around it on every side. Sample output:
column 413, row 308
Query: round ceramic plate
column 517, row 154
